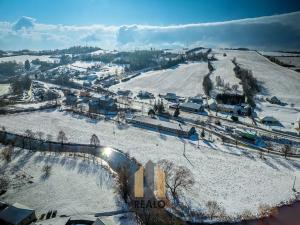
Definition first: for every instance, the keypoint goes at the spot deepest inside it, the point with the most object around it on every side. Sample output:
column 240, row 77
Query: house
column 98, row 222
column 84, row 93
column 96, row 104
column 196, row 99
column 170, row 97
column 191, row 107
column 269, row 120
column 145, row 94
column 177, row 129
column 17, row 214
column 229, row 108
column 211, row 104
column 124, row 92
column 275, row 100
column 71, row 99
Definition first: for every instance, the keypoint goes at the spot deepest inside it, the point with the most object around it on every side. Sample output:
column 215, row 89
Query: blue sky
column 153, row 12
column 133, row 24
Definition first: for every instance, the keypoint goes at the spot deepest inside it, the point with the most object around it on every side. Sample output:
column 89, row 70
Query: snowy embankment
column 184, row 80
column 73, row 187
column 237, row 179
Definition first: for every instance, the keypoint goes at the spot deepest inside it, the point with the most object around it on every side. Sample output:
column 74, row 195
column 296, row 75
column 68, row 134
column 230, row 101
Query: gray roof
column 160, row 122
column 191, row 105
column 16, row 213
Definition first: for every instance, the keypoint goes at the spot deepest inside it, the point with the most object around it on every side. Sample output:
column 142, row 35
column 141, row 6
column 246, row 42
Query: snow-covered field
column 23, row 58
column 184, row 80
column 288, row 116
column 73, row 187
column 224, row 68
column 237, row 179
column 276, row 80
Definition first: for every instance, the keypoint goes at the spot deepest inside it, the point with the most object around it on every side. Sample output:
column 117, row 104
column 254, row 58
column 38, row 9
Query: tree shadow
column 22, row 161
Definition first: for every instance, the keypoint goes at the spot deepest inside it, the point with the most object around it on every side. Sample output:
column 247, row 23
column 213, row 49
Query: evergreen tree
column 27, row 65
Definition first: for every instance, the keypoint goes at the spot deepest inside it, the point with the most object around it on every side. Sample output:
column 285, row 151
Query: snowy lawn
column 73, row 187
column 184, row 80
column 235, row 178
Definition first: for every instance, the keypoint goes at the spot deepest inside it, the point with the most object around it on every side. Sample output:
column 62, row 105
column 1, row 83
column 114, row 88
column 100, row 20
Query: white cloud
column 274, row 32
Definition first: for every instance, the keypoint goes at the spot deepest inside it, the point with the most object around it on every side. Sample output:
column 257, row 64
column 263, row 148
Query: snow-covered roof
column 16, row 213
column 191, row 105
column 269, row 118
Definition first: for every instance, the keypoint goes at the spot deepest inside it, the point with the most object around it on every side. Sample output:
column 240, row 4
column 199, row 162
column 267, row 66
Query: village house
column 177, row 129
column 17, row 214
column 224, row 108
column 191, row 107
column 170, row 97
column 196, row 99
column 103, row 103
column 71, row 99
column 145, row 94
column 124, row 93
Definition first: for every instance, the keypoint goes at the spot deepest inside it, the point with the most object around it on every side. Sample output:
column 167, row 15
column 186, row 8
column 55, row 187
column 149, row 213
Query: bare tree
column 219, row 81
column 123, row 186
column 178, row 178
column 62, row 138
column 235, row 87
column 46, row 171
column 214, row 210
column 94, row 140
column 40, row 135
column 29, row 135
column 286, row 150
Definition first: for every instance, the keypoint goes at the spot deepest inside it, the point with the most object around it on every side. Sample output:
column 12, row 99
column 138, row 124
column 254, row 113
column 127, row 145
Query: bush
column 6, row 153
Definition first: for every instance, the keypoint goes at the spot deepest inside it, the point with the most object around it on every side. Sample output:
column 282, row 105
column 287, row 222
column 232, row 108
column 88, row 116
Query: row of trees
column 249, row 82
column 207, row 83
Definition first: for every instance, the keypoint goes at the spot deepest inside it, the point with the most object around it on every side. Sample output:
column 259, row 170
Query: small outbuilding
column 17, row 214
column 269, row 120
